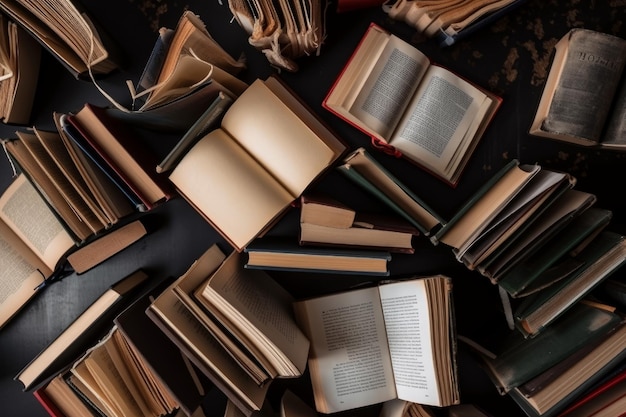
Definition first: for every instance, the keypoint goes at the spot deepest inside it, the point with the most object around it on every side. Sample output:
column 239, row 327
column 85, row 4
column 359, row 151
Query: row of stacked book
column 147, row 348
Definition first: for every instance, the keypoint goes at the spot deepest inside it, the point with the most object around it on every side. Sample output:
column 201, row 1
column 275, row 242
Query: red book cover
column 47, row 403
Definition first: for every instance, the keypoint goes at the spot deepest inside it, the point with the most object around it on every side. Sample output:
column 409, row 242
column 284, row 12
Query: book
column 69, row 33
column 449, row 21
column 392, row 92
column 40, row 250
column 567, row 385
column 117, row 376
column 371, row 232
column 293, row 406
column 171, row 369
column 286, row 255
column 364, row 170
column 327, row 222
column 116, row 143
column 323, row 210
column 92, row 323
column 374, row 344
column 181, row 326
column 596, row 262
column 283, row 31
column 20, row 57
column 521, row 359
column 541, row 269
column 402, row 408
column 243, row 176
column 60, row 400
column 259, row 314
column 585, row 74
column 607, row 399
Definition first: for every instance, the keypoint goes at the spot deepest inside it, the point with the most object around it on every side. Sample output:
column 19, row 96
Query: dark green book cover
column 596, row 262
column 526, row 358
column 532, row 273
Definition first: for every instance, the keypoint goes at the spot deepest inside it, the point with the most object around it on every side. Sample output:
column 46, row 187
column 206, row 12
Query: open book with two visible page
column 243, row 175
column 406, row 346
column 392, row 92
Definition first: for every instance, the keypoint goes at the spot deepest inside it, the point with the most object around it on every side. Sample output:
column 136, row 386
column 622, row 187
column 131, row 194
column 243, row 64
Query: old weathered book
column 39, row 248
column 244, row 175
column 66, row 30
column 283, row 254
column 405, row 332
column 584, row 99
column 181, row 325
column 391, row 91
column 20, row 56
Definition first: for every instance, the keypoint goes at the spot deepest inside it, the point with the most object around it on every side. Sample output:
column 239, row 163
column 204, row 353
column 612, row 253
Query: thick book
column 583, row 99
column 283, row 254
column 605, row 254
column 20, row 57
column 449, row 21
column 69, row 33
column 201, row 347
column 323, row 210
column 391, row 91
column 364, row 170
column 370, row 345
column 92, row 323
column 40, row 248
column 259, row 315
column 244, row 175
column 576, row 379
column 118, row 146
column 521, row 359
column 171, row 368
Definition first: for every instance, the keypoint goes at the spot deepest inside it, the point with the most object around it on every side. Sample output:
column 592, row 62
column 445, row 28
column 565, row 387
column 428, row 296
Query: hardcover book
column 287, row 255
column 244, row 175
column 583, row 100
column 391, row 91
column 411, row 336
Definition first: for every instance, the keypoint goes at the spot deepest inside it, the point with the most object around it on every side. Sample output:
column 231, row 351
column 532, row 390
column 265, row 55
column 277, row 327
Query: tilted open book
column 391, row 91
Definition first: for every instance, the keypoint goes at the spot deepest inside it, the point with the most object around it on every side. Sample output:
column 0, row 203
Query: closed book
column 600, row 258
column 533, row 273
column 525, row 358
column 323, row 210
column 281, row 254
column 369, row 231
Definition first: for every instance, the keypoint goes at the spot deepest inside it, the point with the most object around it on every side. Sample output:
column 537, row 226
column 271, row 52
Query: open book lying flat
column 391, row 91
column 242, row 176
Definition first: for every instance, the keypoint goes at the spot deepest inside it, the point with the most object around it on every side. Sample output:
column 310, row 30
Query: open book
column 405, row 347
column 246, row 173
column 66, row 30
column 391, row 91
column 35, row 246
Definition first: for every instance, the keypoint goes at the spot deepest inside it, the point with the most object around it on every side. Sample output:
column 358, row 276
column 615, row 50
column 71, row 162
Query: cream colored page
column 385, row 95
column 19, row 274
column 349, row 365
column 229, row 188
column 439, row 116
column 283, row 144
column 27, row 214
column 407, row 320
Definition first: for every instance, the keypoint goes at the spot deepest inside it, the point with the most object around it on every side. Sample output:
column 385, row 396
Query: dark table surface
column 510, row 57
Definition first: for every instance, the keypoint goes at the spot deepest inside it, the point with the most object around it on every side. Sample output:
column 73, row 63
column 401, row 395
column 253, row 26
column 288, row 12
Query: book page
column 259, row 311
column 407, row 320
column 349, row 361
column 441, row 116
column 281, row 141
column 384, row 97
column 30, row 218
column 229, row 187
